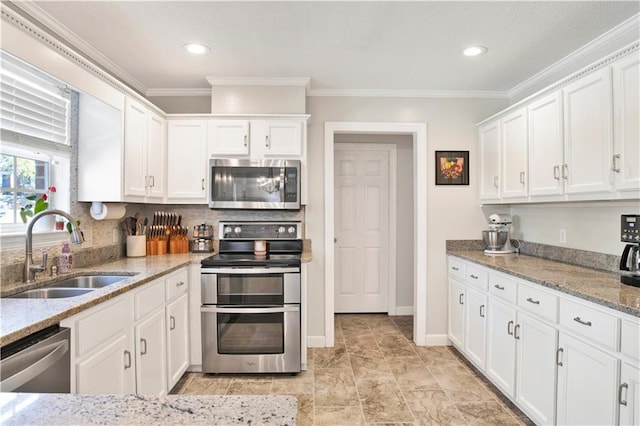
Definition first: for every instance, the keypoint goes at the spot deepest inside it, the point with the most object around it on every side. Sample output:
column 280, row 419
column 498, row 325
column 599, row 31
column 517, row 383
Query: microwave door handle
column 234, row 310
column 283, row 184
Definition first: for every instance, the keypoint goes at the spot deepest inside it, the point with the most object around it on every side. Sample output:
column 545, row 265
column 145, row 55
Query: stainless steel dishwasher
column 40, row 362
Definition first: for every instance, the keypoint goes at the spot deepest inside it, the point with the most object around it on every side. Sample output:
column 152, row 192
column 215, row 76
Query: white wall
column 453, row 211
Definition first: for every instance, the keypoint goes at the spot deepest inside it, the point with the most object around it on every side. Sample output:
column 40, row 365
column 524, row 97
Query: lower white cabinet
column 501, row 346
column 475, row 326
column 177, row 315
column 151, row 355
column 109, row 370
column 456, row 313
column 629, row 395
column 587, row 383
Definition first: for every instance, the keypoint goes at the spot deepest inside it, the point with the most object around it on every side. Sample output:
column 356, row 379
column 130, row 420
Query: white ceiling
column 341, row 46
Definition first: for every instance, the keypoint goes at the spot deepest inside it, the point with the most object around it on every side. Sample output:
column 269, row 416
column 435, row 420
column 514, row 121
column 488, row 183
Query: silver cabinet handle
column 460, row 299
column 172, row 323
column 143, row 342
column 180, row 284
column 203, row 184
column 475, row 277
column 510, row 328
column 482, row 311
column 522, row 178
column 455, row 268
column 495, row 182
column 499, row 287
column 535, row 302
column 556, row 172
column 624, row 386
column 615, row 166
column 578, row 320
column 266, row 141
column 559, row 354
column 565, row 171
column 127, row 357
column 146, row 181
column 245, row 140
column 153, row 181
column 515, row 332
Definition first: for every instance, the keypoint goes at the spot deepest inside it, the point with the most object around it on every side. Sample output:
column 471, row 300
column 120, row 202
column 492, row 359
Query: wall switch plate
column 563, row 235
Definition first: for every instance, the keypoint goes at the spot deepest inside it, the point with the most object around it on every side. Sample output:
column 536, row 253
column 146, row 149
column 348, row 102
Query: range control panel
column 630, row 228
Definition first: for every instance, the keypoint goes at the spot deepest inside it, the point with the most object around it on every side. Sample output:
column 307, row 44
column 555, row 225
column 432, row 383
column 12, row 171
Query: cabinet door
column 156, row 157
column 228, row 137
column 151, row 355
column 187, row 161
column 587, row 384
column 456, row 313
column 177, row 339
column 629, row 395
column 588, row 134
column 626, row 128
column 475, row 327
column 514, row 154
column 111, row 370
column 501, row 346
column 282, row 139
column 545, row 146
column 536, row 368
column 135, row 149
column 489, row 144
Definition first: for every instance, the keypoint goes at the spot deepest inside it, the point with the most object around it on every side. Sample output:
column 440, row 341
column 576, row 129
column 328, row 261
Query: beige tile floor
column 375, row 375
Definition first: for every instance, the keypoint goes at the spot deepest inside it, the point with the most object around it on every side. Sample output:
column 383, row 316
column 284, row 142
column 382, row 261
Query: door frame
column 418, row 131
column 393, row 210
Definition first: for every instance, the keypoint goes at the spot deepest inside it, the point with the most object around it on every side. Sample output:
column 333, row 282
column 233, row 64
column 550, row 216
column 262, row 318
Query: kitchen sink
column 52, row 293
column 89, row 281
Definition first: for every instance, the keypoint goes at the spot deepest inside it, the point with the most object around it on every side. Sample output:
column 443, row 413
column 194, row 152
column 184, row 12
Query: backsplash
column 588, row 259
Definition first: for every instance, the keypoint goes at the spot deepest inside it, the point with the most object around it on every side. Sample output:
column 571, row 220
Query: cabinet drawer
column 177, row 283
column 477, row 277
column 104, row 323
column 588, row 322
column 538, row 301
column 456, row 268
column 149, row 298
column 630, row 339
column 503, row 287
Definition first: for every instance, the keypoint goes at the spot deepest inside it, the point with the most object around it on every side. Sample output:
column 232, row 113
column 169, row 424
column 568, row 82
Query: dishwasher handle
column 38, row 367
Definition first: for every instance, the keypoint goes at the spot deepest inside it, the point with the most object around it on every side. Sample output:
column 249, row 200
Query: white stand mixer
column 497, row 237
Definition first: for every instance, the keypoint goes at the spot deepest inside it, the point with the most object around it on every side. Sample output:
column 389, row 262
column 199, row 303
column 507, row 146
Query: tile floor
column 375, row 375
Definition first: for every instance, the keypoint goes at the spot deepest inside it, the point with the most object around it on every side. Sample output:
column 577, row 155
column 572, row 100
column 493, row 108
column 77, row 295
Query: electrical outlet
column 563, row 235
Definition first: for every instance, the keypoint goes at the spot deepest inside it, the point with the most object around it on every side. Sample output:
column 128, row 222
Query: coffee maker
column 630, row 260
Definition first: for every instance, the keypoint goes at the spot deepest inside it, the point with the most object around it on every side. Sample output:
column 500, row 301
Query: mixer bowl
column 495, row 239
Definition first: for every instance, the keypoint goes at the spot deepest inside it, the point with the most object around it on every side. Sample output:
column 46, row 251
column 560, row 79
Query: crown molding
column 259, row 81
column 178, row 92
column 631, row 25
column 47, row 22
column 407, row 93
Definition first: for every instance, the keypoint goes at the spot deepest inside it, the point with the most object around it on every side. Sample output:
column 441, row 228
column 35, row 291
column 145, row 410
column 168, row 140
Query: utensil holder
column 136, row 245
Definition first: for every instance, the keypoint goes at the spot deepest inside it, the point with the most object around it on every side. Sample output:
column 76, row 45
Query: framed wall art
column 452, row 167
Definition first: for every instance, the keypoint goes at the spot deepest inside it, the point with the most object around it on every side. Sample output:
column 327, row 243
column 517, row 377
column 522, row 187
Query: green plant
column 36, row 204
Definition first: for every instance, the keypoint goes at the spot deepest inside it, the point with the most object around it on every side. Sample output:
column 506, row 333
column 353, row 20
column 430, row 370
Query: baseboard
column 404, row 310
column 315, row 341
column 195, row 368
column 437, row 340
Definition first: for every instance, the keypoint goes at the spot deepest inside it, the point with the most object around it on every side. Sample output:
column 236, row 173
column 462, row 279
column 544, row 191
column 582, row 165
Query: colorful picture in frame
column 452, row 167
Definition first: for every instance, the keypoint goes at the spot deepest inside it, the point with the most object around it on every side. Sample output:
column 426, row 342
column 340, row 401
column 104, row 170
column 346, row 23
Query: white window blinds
column 31, row 102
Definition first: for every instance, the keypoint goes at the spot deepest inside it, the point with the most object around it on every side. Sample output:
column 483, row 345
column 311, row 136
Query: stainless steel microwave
column 254, row 184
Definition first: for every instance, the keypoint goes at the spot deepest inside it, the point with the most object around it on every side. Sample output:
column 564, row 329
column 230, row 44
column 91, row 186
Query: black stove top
column 251, row 260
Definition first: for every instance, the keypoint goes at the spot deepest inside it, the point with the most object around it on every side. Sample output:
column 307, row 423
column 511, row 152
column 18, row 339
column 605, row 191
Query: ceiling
column 341, row 46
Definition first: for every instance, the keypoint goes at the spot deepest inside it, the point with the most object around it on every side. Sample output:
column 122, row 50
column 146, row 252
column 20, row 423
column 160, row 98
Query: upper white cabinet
column 282, row 139
column 626, row 129
column 228, row 137
column 187, row 161
column 514, row 154
column 588, row 134
column 489, row 145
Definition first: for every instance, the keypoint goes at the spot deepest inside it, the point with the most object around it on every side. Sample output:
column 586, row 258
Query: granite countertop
column 70, row 409
column 601, row 287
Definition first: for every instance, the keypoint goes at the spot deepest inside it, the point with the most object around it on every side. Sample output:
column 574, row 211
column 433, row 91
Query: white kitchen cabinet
column 109, row 370
column 475, row 326
column 281, row 139
column 587, row 384
column 501, row 346
column 228, row 137
column 629, row 394
column 588, row 134
column 456, row 313
column 489, row 145
column 144, row 153
column 151, row 358
column 514, row 145
column 546, row 146
column 626, row 123
column 177, row 317
column 187, row 162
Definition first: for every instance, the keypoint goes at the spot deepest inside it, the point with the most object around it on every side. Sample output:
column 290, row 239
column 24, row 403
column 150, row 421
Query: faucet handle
column 45, row 256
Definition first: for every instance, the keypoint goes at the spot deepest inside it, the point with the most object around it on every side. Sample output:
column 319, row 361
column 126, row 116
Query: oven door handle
column 279, row 309
column 248, row 271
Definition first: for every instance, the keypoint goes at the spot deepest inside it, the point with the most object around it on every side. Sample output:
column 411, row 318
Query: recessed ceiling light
column 474, row 51
column 197, row 48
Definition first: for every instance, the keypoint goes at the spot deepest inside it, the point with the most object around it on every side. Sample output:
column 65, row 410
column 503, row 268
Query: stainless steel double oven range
column 251, row 303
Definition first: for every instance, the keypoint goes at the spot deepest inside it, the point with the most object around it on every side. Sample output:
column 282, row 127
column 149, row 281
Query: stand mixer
column 496, row 239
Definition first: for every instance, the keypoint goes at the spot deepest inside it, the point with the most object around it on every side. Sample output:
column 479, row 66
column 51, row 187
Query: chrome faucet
column 29, row 271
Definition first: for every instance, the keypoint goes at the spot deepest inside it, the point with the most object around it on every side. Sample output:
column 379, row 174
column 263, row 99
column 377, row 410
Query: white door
column 177, row 339
column 228, row 137
column 135, row 149
column 282, row 139
column 475, row 326
column 156, row 156
column 187, row 162
column 151, row 360
column 111, row 370
column 489, row 141
column 456, row 313
column 501, row 346
column 361, row 230
column 629, row 395
column 514, row 154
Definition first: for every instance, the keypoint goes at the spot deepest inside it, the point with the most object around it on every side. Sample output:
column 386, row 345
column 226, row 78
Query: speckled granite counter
column 65, row 409
column 597, row 286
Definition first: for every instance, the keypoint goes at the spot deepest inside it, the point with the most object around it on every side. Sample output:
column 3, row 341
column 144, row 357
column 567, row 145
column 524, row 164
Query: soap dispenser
column 66, row 259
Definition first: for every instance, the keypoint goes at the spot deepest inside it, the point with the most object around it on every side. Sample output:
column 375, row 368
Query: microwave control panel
column 630, row 228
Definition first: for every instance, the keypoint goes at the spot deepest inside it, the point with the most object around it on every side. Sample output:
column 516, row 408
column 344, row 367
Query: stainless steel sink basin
column 89, row 281
column 52, row 293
